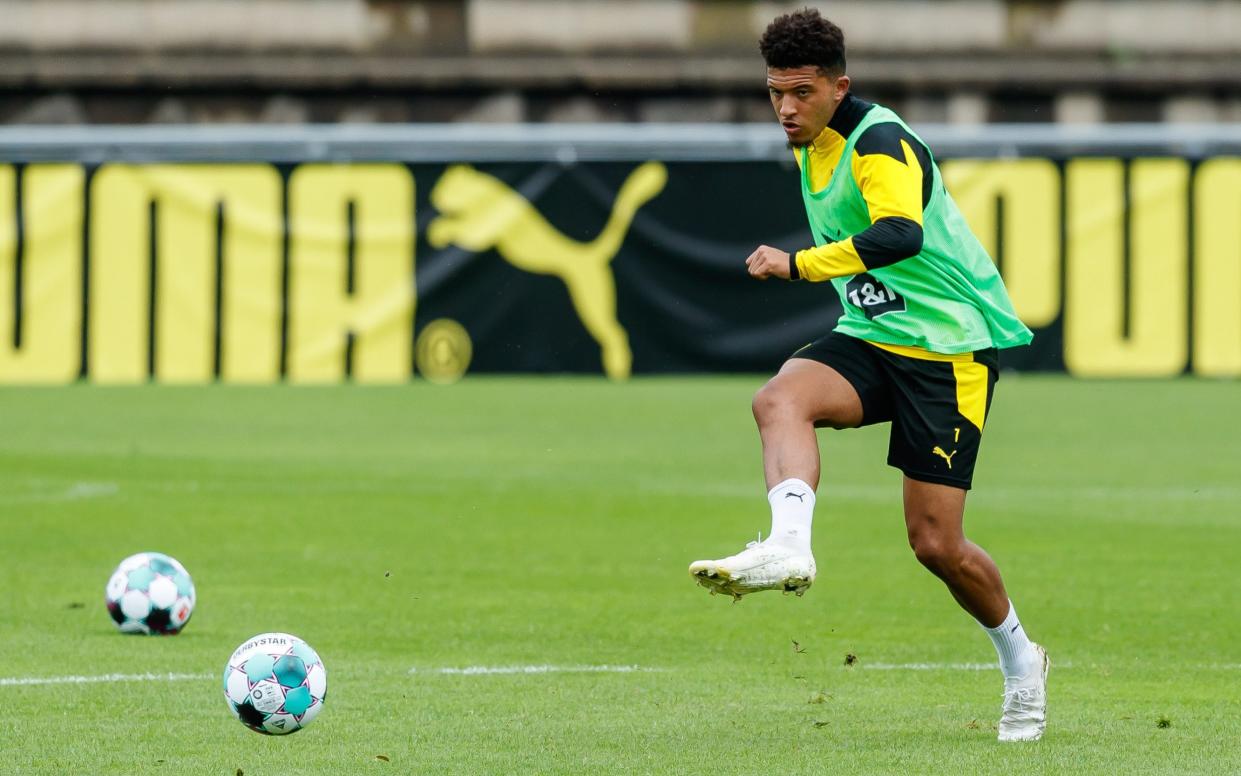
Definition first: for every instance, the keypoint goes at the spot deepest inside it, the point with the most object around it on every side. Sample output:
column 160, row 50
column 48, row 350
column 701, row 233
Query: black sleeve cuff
column 887, row 241
column 793, row 272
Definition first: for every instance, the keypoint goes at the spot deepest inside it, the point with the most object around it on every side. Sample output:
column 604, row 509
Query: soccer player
column 925, row 312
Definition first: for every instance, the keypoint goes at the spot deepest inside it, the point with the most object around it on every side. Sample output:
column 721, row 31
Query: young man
column 924, row 314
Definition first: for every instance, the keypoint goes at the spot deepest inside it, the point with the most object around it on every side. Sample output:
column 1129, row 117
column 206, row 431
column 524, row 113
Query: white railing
column 571, row 142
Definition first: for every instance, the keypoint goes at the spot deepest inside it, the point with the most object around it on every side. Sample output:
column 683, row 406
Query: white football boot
column 1025, row 703
column 762, row 565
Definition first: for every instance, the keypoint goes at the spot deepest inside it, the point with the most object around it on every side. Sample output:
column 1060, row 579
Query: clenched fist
column 767, row 262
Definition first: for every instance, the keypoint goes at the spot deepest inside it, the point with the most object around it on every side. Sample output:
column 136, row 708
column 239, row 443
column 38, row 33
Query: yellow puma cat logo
column 940, row 452
column 479, row 211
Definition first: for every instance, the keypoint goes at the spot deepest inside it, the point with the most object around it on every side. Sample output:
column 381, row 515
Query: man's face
column 805, row 98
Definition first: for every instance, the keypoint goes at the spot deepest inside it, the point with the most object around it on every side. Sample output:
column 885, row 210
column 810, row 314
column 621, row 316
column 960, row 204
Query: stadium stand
column 296, row 61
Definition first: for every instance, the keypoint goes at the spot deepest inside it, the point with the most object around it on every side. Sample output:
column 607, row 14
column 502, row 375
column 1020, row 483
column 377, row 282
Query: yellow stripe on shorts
column 972, row 381
column 922, row 353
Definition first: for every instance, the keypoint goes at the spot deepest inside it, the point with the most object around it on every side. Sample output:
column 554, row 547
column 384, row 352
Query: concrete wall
column 574, row 26
column 558, row 60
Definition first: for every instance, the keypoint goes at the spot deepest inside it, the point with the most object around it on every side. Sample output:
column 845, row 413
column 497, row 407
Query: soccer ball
column 275, row 683
column 150, row 593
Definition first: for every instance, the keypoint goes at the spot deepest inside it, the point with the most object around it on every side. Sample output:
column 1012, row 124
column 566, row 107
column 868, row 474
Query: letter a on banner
column 41, row 317
column 351, row 273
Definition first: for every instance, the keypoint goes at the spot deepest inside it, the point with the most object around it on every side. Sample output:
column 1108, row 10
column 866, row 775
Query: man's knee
column 763, row 403
column 771, row 401
column 777, row 401
column 940, row 553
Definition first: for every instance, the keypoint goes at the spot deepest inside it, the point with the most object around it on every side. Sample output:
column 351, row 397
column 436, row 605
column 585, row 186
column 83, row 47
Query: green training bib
column 949, row 298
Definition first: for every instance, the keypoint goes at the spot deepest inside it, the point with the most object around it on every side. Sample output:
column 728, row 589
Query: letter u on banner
column 1095, row 340
column 351, row 273
column 1217, row 268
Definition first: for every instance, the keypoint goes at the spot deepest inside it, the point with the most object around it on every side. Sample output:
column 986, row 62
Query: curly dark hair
column 804, row 38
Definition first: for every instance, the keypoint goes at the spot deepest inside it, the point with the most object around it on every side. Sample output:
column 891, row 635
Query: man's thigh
column 849, row 381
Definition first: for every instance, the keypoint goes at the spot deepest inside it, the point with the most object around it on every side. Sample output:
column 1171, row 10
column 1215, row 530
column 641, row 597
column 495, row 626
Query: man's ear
column 841, row 87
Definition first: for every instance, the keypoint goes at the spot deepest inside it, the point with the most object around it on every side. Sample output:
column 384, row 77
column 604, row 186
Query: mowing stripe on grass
column 930, row 666
column 543, row 669
column 943, row 666
column 75, row 492
column 22, row 681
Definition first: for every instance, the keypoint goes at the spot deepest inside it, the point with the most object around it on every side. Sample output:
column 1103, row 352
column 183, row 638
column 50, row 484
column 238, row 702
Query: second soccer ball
column 150, row 593
column 275, row 683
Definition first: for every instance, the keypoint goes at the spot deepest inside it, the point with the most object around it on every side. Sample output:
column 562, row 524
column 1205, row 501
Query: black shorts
column 936, row 403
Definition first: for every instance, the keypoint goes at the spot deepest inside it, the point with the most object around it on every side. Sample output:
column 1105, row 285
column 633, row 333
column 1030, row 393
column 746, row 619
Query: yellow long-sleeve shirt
column 893, row 171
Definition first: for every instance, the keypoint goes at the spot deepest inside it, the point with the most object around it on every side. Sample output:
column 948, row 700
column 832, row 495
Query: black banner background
column 683, row 293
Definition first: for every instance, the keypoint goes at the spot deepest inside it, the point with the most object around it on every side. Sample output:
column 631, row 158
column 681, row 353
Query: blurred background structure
column 378, row 189
column 296, row 61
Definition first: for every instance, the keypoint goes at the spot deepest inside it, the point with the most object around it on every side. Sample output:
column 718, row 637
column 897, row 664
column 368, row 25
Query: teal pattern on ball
column 308, row 655
column 290, row 671
column 162, row 564
column 259, row 667
column 183, row 583
column 297, row 700
column 140, row 578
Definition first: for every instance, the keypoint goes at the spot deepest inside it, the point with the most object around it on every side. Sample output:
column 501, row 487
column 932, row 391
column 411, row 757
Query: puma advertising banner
column 252, row 272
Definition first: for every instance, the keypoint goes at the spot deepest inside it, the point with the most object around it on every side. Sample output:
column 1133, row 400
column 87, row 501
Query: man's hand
column 767, row 262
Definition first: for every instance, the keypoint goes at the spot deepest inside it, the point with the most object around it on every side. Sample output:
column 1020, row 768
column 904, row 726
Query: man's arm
column 893, row 171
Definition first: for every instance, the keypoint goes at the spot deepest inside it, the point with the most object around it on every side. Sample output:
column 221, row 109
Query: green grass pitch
column 549, row 522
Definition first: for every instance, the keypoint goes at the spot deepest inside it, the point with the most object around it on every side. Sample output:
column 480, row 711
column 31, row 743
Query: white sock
column 1017, row 656
column 792, row 510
